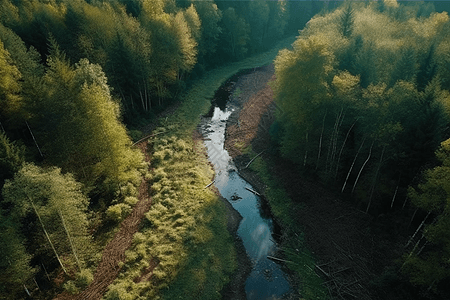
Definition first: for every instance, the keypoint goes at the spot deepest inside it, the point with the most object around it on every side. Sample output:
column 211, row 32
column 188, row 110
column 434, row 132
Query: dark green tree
column 347, row 19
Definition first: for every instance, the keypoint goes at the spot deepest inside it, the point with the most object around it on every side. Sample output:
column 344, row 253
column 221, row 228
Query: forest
column 363, row 101
column 77, row 81
column 364, row 107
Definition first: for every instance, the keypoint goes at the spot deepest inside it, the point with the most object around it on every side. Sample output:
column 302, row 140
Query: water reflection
column 266, row 280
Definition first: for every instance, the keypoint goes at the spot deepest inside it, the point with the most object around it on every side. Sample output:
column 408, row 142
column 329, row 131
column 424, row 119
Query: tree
column 10, row 100
column 79, row 125
column 405, row 67
column 210, row 17
column 11, row 157
column 15, row 269
column 257, row 16
column 427, row 68
column 235, row 34
column 431, row 265
column 302, row 92
column 346, row 21
column 55, row 202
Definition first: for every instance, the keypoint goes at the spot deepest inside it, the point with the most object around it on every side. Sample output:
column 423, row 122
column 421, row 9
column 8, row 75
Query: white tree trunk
column 320, row 140
column 362, row 167
column 342, row 148
column 351, row 167
column 46, row 234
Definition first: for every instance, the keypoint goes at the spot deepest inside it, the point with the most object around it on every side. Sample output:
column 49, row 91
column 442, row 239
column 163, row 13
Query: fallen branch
column 148, row 136
column 210, row 184
column 253, row 159
column 279, row 259
column 323, row 271
column 254, row 192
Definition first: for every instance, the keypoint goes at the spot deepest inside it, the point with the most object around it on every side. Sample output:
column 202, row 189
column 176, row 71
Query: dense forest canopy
column 364, row 105
column 73, row 75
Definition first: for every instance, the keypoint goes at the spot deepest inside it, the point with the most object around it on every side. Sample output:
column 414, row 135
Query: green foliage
column 236, row 33
column 357, row 91
column 185, row 229
column 431, row 266
column 71, row 287
column 15, row 266
column 11, row 157
column 10, row 100
column 84, row 278
column 347, row 20
column 118, row 212
column 56, row 203
column 79, row 125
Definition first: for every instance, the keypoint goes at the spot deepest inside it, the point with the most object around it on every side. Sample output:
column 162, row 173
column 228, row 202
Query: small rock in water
column 235, row 197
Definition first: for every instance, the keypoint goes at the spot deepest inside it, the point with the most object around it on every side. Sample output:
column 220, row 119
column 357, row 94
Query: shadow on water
column 257, row 229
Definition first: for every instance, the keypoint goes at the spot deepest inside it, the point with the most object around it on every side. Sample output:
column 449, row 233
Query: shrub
column 131, row 200
column 71, row 287
column 129, row 189
column 118, row 212
column 84, row 278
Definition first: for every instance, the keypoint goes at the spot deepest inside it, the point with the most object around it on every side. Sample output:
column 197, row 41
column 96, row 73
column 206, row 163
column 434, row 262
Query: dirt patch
column 108, row 268
column 337, row 233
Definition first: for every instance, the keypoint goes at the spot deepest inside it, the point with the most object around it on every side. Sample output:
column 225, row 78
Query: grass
column 185, row 230
column 283, row 208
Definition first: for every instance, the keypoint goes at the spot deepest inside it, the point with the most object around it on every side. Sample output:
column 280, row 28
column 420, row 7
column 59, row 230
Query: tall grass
column 185, row 230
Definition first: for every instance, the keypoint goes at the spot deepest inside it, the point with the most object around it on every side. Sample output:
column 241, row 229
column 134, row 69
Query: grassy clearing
column 294, row 249
column 185, row 230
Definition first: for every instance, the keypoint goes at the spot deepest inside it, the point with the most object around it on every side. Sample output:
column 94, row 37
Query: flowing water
column 267, row 280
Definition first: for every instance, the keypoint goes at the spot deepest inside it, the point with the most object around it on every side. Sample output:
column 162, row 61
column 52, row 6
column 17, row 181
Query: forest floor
column 114, row 252
column 337, row 233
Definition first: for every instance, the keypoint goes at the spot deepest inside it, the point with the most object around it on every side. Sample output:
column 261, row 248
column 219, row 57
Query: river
column 266, row 280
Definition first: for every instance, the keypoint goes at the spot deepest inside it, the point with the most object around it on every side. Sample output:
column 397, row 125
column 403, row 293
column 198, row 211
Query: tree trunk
column 417, row 230
column 48, row 237
column 70, row 239
column 32, row 135
column 336, row 136
column 342, row 148
column 362, row 167
column 320, row 140
column 351, row 167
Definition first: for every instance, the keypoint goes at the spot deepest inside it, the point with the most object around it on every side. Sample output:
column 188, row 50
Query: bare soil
column 337, row 233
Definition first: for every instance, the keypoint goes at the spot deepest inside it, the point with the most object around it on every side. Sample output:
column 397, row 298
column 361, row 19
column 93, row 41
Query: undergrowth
column 300, row 259
column 184, row 232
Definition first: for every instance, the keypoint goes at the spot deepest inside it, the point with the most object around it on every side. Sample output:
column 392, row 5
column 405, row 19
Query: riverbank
column 342, row 249
column 185, row 231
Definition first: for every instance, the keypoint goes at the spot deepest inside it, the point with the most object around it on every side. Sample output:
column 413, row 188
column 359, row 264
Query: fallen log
column 279, row 259
column 253, row 159
column 146, row 137
column 210, row 184
column 254, row 192
column 323, row 271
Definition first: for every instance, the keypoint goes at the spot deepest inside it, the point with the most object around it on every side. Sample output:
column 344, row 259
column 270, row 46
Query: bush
column 118, row 212
column 131, row 200
column 71, row 287
column 135, row 135
column 84, row 278
column 129, row 189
